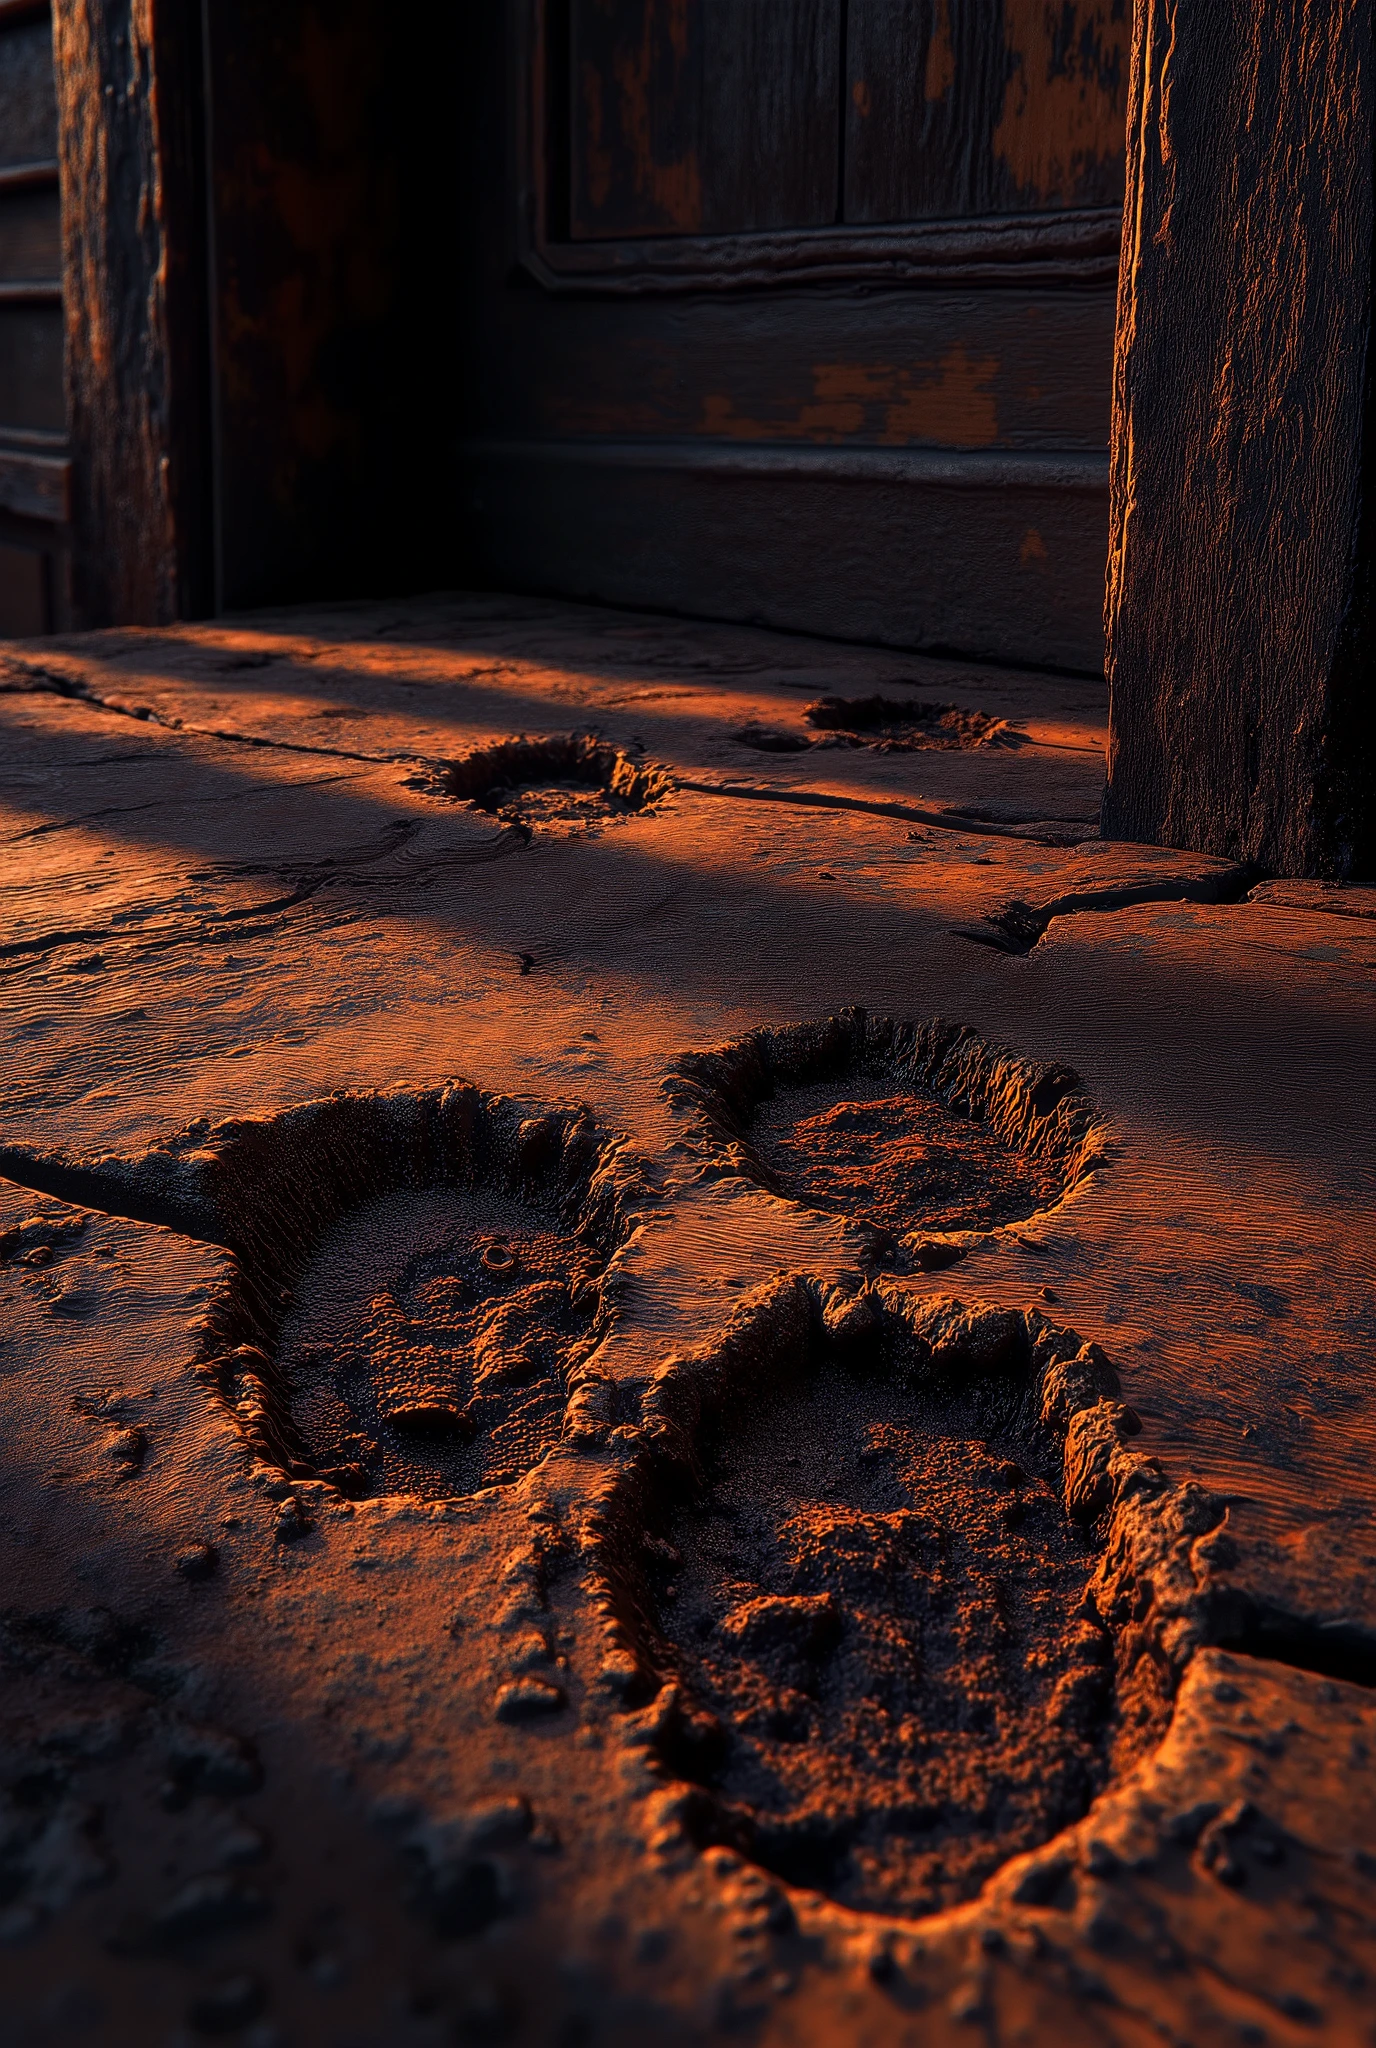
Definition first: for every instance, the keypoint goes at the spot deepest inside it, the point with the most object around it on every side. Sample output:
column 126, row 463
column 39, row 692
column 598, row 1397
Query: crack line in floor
column 46, row 682
column 1020, row 926
column 945, row 821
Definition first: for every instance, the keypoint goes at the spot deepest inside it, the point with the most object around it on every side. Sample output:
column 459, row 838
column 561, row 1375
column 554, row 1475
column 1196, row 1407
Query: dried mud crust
column 417, row 1277
column 568, row 783
column 884, row 1649
column 886, row 724
column 923, row 1133
column 899, row 724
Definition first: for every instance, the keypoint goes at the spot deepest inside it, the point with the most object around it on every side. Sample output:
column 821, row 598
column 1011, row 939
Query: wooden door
column 799, row 311
column 34, row 468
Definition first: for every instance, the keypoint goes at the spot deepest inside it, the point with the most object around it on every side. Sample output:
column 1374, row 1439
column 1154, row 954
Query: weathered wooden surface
column 1004, row 106
column 128, row 85
column 235, row 883
column 334, row 199
column 996, row 557
column 33, row 584
column 28, row 124
column 1239, row 606
column 994, row 356
column 714, row 118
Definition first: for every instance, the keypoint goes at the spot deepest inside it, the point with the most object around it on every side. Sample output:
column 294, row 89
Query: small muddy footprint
column 923, row 1134
column 569, row 783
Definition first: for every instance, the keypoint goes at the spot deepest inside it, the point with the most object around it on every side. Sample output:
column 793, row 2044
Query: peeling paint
column 1033, row 548
column 940, row 73
column 637, row 165
column 950, row 403
column 673, row 188
column 1064, row 106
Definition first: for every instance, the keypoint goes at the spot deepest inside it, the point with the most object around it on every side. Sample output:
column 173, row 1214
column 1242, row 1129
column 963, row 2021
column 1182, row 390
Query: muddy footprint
column 569, row 783
column 416, row 1277
column 923, row 1132
column 866, row 1613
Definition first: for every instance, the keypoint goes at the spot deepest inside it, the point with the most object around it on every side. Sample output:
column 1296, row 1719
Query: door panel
column 23, row 591
column 959, row 370
column 31, row 368
column 661, row 407
column 970, row 107
column 702, row 116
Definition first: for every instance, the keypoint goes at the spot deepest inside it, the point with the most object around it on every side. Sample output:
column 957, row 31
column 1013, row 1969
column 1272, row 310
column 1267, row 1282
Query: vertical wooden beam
column 1240, row 590
column 131, row 155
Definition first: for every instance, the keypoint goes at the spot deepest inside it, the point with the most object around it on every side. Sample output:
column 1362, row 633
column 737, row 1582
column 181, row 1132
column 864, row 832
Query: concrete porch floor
column 245, row 869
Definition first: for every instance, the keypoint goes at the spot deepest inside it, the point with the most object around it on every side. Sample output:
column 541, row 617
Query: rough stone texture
column 403, row 1769
column 1239, row 592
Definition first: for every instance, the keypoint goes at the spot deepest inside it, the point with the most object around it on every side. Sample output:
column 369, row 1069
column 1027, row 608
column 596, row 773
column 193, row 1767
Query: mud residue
column 569, row 783
column 924, row 1133
column 899, row 724
column 900, row 1159
column 888, row 725
column 863, row 1573
column 431, row 1341
column 416, row 1276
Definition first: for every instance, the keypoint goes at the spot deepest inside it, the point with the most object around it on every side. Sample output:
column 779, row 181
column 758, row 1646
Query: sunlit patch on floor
column 569, row 783
column 924, row 1133
column 888, row 725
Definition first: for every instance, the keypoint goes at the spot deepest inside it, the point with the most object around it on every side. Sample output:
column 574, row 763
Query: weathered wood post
column 1240, row 584
column 134, row 289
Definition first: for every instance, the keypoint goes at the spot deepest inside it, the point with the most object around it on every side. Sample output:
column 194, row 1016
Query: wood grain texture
column 128, row 75
column 28, row 123
column 334, row 196
column 1240, row 576
column 678, row 384
column 30, row 236
column 35, row 486
column 981, row 555
column 1009, row 369
column 969, row 107
column 714, row 118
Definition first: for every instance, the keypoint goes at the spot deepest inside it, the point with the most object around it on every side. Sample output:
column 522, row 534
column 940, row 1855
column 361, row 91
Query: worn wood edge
column 28, row 177
column 39, row 440
column 1083, row 472
column 911, row 564
column 36, row 486
column 1071, row 248
column 41, row 292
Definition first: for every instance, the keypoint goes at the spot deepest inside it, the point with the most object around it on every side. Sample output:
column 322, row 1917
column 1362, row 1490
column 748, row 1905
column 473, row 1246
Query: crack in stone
column 1052, row 832
column 1020, row 926
column 46, row 681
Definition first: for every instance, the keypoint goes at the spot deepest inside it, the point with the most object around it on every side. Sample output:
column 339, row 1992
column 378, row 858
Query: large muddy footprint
column 866, row 1612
